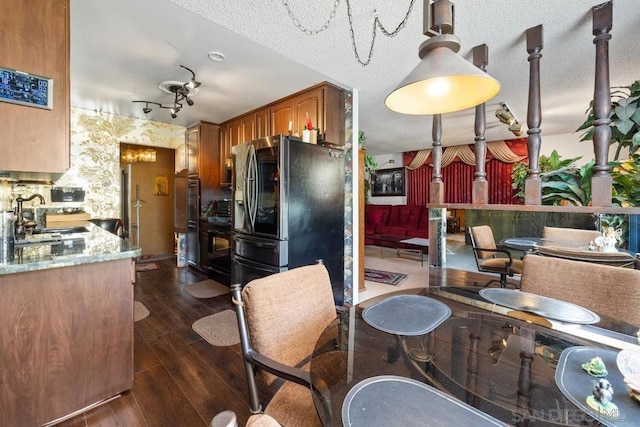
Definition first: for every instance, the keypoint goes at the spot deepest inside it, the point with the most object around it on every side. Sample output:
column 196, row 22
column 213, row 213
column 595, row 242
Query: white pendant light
column 442, row 82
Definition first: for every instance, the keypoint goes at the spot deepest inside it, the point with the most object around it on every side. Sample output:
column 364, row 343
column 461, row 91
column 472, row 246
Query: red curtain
column 458, row 183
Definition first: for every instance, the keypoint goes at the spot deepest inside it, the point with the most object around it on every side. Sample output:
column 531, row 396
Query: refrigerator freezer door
column 265, row 251
column 245, row 270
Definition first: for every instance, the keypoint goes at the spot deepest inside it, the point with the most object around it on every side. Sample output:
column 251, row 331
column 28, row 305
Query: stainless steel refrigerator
column 288, row 209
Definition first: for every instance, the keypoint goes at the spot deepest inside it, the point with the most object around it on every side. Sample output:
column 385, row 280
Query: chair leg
column 254, row 400
column 486, row 285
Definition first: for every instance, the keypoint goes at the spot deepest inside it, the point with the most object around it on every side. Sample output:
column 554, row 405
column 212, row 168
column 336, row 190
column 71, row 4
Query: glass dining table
column 498, row 360
column 576, row 251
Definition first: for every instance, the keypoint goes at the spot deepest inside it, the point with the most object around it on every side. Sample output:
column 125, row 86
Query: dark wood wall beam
column 436, row 188
column 601, row 182
column 533, row 184
column 480, row 190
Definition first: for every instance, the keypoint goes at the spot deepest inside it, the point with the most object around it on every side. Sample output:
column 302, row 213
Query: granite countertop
column 94, row 245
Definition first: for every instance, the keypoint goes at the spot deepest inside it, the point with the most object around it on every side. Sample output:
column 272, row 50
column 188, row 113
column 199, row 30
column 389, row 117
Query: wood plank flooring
column 180, row 379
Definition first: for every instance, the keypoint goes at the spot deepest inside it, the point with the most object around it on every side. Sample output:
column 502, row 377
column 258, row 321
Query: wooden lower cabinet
column 66, row 340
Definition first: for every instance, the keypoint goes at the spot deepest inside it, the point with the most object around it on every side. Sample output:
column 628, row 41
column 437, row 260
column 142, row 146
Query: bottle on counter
column 6, row 235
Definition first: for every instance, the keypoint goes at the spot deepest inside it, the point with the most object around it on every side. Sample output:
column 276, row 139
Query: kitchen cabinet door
column 263, row 123
column 209, row 161
column 332, row 129
column 193, row 149
column 225, row 156
column 180, row 202
column 311, row 103
column 248, row 128
column 35, row 40
column 281, row 117
column 236, row 132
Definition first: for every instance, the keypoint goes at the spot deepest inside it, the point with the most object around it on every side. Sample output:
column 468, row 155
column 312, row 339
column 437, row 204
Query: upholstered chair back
column 287, row 312
column 606, row 290
column 482, row 236
column 569, row 235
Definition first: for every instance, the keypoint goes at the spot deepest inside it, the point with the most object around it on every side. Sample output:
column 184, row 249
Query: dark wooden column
column 601, row 182
column 480, row 191
column 436, row 188
column 533, row 183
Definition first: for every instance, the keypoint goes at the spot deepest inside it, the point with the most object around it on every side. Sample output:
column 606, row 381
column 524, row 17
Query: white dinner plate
column 628, row 361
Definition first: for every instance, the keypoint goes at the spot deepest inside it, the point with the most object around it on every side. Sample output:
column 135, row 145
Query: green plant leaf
column 636, row 116
column 635, row 140
column 624, row 125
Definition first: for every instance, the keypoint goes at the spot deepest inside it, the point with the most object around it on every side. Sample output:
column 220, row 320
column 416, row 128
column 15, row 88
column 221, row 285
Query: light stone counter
column 94, row 245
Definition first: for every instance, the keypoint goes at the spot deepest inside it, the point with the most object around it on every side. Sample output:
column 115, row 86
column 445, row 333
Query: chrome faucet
column 19, row 225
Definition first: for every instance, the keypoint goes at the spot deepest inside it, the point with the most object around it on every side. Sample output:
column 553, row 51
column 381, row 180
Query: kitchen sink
column 61, row 230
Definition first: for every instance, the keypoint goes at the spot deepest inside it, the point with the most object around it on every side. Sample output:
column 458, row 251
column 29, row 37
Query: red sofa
column 394, row 221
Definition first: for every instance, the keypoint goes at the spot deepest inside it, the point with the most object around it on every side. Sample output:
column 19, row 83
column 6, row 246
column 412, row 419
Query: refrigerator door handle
column 251, row 265
column 252, row 184
column 256, row 243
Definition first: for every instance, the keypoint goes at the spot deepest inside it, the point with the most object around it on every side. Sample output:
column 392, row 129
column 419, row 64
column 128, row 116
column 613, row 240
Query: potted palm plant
column 625, row 119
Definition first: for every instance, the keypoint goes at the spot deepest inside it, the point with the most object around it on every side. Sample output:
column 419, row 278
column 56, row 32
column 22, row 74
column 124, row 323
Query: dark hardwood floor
column 180, row 379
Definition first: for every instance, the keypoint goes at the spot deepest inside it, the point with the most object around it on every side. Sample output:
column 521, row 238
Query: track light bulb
column 146, row 110
column 189, row 101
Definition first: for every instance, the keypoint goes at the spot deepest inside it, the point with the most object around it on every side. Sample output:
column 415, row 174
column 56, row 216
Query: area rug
column 206, row 289
column 147, row 266
column 386, row 277
column 220, row 329
column 139, row 311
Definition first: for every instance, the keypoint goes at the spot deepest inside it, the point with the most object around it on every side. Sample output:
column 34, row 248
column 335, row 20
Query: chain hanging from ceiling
column 376, row 24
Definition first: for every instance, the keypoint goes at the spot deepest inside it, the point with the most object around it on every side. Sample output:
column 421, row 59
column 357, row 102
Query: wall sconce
column 388, row 162
column 142, row 155
column 506, row 116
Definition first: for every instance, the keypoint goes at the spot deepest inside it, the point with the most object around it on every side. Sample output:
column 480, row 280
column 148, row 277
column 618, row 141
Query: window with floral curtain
column 458, row 172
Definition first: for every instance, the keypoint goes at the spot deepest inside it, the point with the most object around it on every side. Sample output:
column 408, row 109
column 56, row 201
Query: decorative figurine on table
column 595, row 367
column 610, row 236
column 600, row 400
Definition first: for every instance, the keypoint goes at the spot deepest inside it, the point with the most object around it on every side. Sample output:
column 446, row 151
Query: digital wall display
column 27, row 89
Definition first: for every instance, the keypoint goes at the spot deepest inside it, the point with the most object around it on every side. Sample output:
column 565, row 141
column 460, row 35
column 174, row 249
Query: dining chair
column 280, row 319
column 569, row 236
column 490, row 259
column 604, row 289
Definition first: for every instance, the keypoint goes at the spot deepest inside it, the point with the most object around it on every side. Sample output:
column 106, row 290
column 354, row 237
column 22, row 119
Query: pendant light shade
column 442, row 82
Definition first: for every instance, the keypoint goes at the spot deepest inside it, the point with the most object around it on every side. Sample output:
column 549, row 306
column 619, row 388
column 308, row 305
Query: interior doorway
column 147, row 202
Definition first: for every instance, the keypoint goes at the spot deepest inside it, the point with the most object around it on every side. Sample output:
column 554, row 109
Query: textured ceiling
column 122, row 49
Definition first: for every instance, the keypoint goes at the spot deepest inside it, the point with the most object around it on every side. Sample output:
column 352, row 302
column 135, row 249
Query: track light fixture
column 182, row 93
column 506, row 116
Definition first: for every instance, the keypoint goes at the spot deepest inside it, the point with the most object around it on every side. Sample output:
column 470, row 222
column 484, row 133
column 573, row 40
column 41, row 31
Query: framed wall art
column 388, row 182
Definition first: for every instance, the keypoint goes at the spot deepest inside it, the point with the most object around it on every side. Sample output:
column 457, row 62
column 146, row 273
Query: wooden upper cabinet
column 325, row 105
column 236, row 133
column 281, row 116
column 209, row 162
column 263, row 123
column 193, row 149
column 35, row 39
column 311, row 103
column 203, row 142
column 334, row 116
column 248, row 128
column 225, row 156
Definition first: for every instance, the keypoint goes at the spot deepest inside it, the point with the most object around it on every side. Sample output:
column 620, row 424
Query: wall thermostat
column 19, row 87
